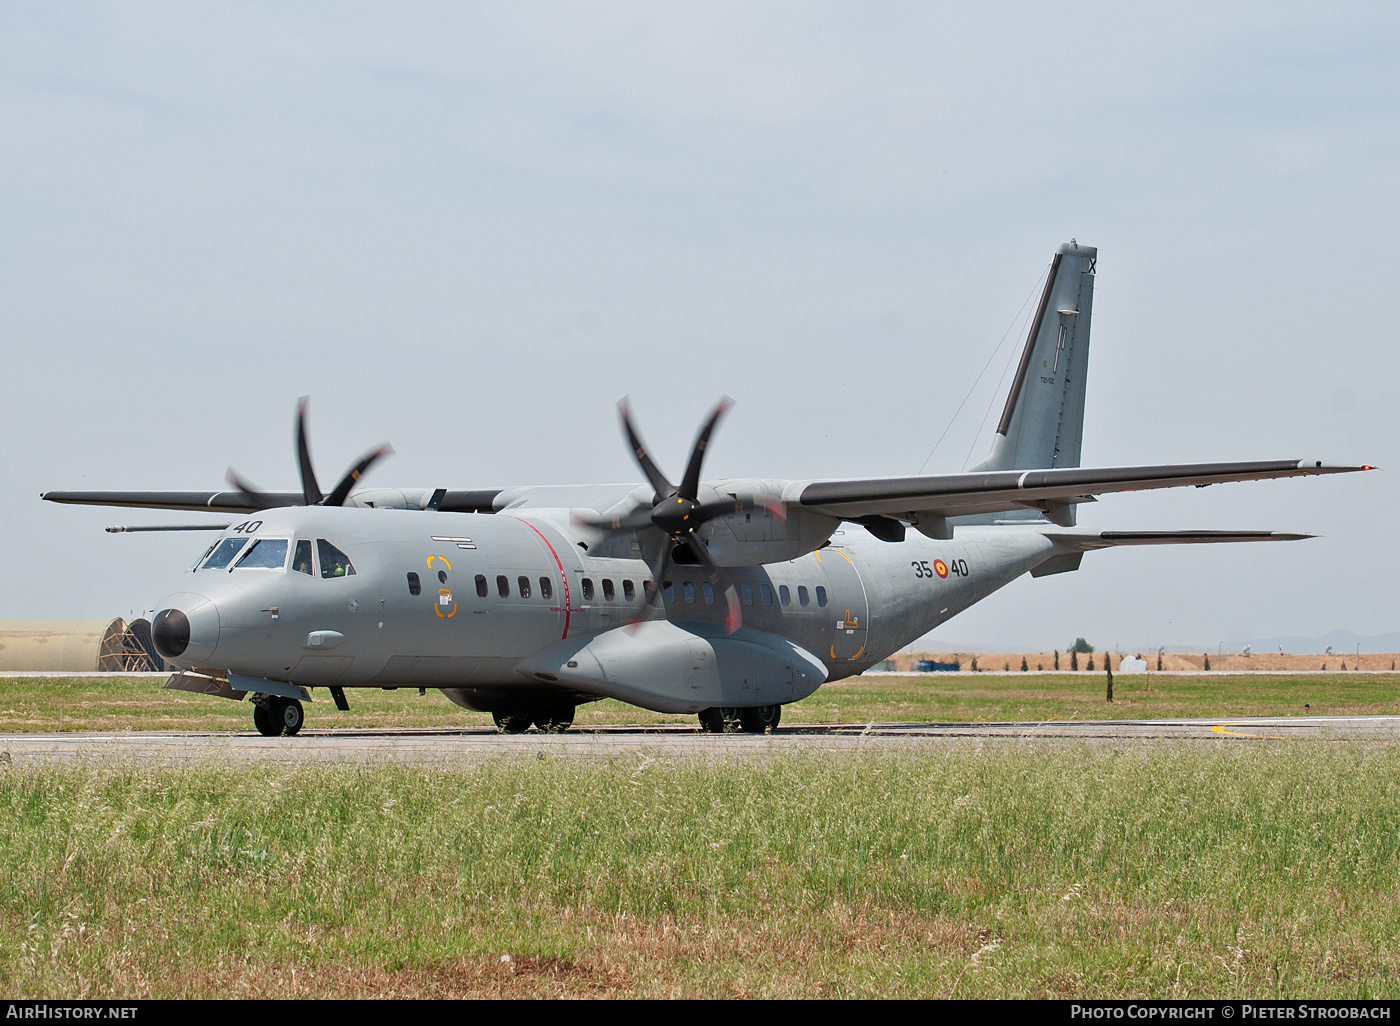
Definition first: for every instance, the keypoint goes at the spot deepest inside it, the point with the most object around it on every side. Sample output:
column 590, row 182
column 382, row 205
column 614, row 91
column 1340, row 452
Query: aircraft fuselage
column 463, row 602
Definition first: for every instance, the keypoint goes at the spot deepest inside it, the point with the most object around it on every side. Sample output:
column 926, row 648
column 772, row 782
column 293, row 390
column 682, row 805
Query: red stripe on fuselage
column 562, row 576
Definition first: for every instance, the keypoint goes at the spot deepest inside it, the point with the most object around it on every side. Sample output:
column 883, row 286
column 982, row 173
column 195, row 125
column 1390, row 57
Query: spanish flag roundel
column 941, row 567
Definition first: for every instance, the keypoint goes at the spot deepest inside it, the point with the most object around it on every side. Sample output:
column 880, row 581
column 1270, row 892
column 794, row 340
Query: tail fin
column 1042, row 425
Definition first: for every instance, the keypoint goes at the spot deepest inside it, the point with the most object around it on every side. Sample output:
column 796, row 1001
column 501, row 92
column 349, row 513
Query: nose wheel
column 275, row 716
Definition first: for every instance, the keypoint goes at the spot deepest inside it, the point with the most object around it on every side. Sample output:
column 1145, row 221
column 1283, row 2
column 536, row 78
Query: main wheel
column 760, row 718
column 721, row 720
column 712, row 721
column 512, row 721
column 287, row 715
column 262, row 719
column 554, row 719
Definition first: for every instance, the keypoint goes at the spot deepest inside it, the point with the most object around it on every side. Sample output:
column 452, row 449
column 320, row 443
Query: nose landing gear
column 275, row 716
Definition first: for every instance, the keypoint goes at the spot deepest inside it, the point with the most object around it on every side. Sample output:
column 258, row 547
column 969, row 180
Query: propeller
column 310, row 489
column 676, row 510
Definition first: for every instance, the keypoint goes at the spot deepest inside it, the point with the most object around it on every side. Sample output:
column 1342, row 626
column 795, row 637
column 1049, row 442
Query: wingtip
column 1324, row 467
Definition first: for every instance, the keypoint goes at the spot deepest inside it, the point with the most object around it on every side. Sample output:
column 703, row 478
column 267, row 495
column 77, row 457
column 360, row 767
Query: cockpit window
column 201, row 558
column 264, row 554
column 301, row 562
column 224, row 553
column 334, row 563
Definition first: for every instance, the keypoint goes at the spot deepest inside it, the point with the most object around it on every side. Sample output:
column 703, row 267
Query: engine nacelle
column 769, row 530
column 757, row 536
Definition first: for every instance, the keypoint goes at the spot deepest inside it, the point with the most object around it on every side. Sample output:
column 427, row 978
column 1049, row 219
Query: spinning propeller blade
column 677, row 511
column 310, row 489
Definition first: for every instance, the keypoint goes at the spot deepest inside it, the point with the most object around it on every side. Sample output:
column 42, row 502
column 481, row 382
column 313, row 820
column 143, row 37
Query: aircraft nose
column 186, row 630
column 171, row 633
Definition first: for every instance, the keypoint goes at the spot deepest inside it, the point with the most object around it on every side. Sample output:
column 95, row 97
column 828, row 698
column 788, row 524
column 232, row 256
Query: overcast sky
column 469, row 229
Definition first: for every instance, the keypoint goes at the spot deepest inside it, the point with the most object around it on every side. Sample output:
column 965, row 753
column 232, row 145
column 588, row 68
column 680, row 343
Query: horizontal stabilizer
column 1084, row 540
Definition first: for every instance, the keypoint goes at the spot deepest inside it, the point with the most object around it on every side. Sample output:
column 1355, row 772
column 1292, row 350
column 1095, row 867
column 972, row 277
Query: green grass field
column 1215, row 869
column 115, row 703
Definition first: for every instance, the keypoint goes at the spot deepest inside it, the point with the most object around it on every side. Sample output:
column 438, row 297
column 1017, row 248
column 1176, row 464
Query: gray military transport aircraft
column 726, row 598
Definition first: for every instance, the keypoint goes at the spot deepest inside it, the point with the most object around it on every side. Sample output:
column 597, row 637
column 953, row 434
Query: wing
column 1050, row 491
column 213, row 502
column 450, row 501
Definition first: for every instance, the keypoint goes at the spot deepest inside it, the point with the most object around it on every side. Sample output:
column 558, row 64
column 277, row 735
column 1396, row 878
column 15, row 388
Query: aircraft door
column 553, row 589
column 847, row 608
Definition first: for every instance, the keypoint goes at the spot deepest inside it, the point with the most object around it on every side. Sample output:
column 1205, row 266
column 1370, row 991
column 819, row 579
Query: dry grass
column 979, row 869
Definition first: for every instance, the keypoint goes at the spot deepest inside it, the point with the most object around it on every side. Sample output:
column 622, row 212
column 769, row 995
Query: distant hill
column 1342, row 642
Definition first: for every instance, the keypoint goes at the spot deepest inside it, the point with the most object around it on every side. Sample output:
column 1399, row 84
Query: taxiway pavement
column 464, row 746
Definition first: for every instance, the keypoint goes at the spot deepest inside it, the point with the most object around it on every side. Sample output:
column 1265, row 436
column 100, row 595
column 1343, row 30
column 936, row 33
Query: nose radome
column 186, row 630
column 171, row 633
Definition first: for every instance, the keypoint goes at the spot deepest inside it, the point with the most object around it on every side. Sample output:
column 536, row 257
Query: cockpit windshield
column 223, row 553
column 265, row 554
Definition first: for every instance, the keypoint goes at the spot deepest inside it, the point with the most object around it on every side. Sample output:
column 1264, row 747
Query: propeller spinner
column 310, row 490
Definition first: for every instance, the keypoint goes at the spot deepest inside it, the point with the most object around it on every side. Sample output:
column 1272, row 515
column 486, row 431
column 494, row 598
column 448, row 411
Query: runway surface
column 465, row 746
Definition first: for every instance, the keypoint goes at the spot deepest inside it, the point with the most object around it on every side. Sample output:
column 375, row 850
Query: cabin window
column 628, row 591
column 649, row 586
column 821, row 595
column 334, row 563
column 481, row 589
column 503, row 585
column 784, row 595
column 546, row 588
column 588, row 589
column 524, row 583
column 224, row 553
column 442, row 576
column 264, row 554
column 708, row 590
column 746, row 593
column 689, row 590
column 608, row 592
column 415, row 586
column 765, row 594
column 668, row 590
column 301, row 561
column 803, row 598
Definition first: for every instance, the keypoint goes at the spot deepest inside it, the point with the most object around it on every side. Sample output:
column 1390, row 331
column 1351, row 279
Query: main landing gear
column 548, row 718
column 754, row 720
column 275, row 716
